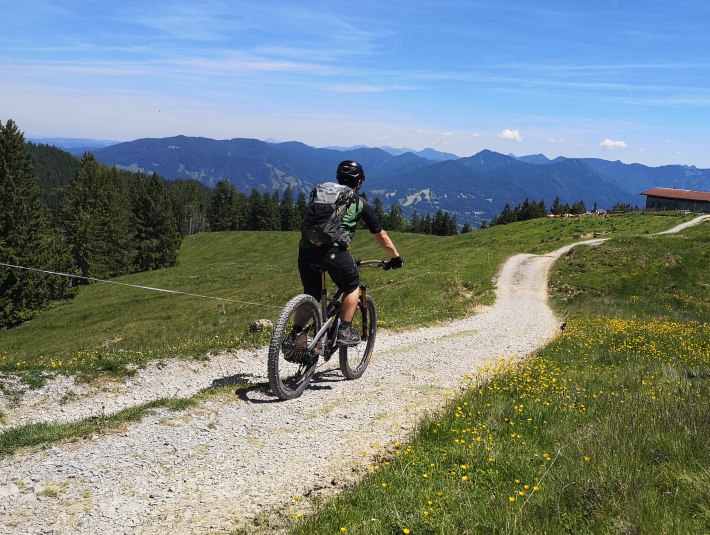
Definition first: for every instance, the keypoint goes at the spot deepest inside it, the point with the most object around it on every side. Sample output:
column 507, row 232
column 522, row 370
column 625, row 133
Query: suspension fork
column 323, row 296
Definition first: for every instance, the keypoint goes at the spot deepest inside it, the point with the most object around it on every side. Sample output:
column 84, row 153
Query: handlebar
column 371, row 263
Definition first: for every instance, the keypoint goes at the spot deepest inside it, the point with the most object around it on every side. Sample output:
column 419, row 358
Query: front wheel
column 354, row 359
column 290, row 364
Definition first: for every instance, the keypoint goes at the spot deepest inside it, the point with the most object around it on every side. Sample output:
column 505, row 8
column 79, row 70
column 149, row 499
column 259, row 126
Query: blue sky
column 623, row 79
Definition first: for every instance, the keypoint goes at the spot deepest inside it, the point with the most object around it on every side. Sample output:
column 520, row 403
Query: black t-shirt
column 369, row 216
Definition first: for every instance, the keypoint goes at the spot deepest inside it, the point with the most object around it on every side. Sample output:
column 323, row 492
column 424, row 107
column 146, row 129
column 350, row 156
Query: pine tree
column 26, row 236
column 416, row 222
column 453, row 227
column 427, row 224
column 579, row 208
column 96, row 217
column 116, row 236
column 241, row 211
column 272, row 215
column 222, row 213
column 301, row 209
column 438, row 226
column 395, row 218
column 559, row 208
column 524, row 212
column 155, row 229
column 287, row 211
column 188, row 201
column 55, row 169
column 260, row 210
column 542, row 208
column 505, row 217
column 380, row 213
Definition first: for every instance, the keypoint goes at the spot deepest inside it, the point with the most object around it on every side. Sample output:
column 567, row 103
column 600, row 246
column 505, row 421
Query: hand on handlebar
column 394, row 263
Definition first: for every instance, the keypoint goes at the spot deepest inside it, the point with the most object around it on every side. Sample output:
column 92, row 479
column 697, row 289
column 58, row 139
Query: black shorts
column 339, row 264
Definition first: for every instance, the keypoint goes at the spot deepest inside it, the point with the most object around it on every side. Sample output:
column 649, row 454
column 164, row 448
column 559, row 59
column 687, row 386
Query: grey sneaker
column 347, row 337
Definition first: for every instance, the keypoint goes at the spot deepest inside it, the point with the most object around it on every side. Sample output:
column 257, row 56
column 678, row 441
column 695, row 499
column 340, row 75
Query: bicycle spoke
column 290, row 363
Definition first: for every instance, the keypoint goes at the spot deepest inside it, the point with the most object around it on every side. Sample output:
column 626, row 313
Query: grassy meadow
column 606, row 430
column 108, row 327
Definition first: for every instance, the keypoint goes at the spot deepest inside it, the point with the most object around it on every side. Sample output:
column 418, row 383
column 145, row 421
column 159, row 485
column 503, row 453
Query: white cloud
column 610, row 144
column 513, row 135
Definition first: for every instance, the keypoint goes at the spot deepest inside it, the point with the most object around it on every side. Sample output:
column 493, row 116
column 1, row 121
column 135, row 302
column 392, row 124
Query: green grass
column 665, row 276
column 41, row 434
column 606, row 430
column 107, row 327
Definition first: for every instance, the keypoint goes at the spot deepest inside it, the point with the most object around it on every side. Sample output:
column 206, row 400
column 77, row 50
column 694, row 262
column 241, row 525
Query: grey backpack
column 328, row 205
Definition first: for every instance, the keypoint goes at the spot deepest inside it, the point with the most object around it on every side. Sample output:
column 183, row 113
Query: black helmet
column 350, row 173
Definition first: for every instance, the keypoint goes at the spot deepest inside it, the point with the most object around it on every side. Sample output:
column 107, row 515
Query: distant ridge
column 475, row 187
column 76, row 146
column 539, row 159
column 429, row 154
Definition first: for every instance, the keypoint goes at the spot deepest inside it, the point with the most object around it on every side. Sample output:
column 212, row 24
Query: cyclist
column 336, row 258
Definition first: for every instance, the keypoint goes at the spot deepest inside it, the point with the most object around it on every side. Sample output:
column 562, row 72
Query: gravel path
column 690, row 223
column 217, row 467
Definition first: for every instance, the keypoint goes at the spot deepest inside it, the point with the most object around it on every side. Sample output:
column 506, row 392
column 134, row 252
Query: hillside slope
column 219, row 466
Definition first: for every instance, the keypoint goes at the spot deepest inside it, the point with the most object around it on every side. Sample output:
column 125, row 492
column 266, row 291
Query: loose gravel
column 251, row 461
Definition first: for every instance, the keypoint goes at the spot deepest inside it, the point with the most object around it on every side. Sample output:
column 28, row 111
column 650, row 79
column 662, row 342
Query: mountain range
column 475, row 187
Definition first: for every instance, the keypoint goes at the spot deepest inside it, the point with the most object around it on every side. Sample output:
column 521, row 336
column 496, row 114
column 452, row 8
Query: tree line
column 533, row 209
column 231, row 209
column 99, row 226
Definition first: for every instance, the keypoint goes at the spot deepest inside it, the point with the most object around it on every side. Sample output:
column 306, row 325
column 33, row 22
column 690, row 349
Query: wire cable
column 151, row 288
column 177, row 292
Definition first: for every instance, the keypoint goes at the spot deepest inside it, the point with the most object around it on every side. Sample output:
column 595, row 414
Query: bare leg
column 300, row 318
column 349, row 305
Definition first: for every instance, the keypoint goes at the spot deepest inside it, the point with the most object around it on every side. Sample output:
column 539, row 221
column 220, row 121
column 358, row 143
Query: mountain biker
column 336, row 258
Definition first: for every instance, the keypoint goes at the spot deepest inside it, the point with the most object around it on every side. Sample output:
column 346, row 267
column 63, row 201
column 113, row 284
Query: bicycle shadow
column 239, row 379
column 321, row 380
column 244, row 387
column 260, row 393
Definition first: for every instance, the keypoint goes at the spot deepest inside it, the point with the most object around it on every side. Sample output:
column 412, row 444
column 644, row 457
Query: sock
column 345, row 324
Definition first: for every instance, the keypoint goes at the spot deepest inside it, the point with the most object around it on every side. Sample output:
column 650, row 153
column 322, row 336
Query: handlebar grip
column 371, row 263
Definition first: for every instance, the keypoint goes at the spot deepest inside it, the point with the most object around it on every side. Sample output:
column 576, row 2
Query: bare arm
column 386, row 243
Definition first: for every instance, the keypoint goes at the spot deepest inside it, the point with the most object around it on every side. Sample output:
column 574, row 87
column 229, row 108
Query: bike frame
column 330, row 308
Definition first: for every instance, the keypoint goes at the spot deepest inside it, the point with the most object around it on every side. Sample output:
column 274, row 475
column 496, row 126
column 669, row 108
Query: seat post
column 323, row 295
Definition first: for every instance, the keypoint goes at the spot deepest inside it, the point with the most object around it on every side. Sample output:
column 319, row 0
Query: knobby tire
column 290, row 368
column 354, row 359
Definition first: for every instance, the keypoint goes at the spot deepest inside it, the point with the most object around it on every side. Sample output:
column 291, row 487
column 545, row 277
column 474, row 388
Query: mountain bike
column 295, row 354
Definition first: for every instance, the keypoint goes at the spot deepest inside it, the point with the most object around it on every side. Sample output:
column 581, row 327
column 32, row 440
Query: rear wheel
column 290, row 364
column 354, row 359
